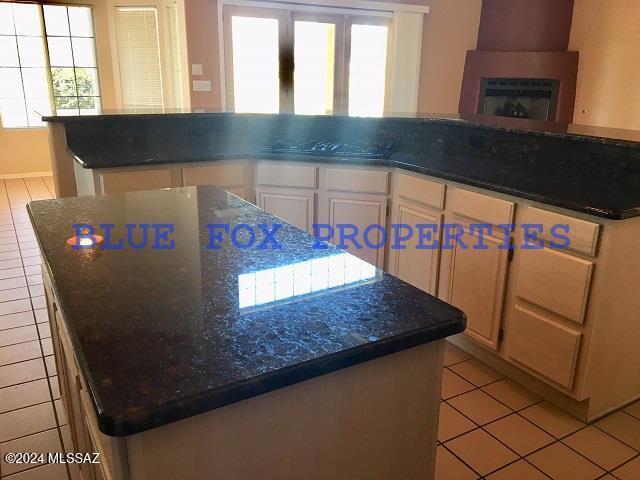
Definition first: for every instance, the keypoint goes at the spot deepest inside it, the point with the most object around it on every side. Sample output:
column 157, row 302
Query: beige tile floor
column 490, row 427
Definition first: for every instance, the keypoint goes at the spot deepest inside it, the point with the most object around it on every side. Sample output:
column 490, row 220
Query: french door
column 307, row 63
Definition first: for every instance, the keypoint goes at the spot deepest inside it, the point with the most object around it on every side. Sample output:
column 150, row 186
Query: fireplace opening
column 533, row 99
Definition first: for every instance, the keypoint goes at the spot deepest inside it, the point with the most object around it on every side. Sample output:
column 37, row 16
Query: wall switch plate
column 196, row 69
column 202, row 85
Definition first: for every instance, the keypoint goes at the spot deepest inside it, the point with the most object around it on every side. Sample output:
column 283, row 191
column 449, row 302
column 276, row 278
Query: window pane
column 8, row 52
column 87, row 82
column 35, row 83
column 6, row 19
column 56, row 21
column 256, row 82
column 27, row 19
column 66, row 105
column 13, row 113
column 31, row 52
column 84, row 54
column 36, row 109
column 63, row 81
column 89, row 106
column 60, row 52
column 367, row 69
column 81, row 21
column 314, row 54
column 10, row 83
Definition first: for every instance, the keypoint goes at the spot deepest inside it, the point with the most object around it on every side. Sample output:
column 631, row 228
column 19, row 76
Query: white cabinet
column 474, row 280
column 228, row 176
column 419, row 267
column 359, row 215
column 128, row 181
column 296, row 207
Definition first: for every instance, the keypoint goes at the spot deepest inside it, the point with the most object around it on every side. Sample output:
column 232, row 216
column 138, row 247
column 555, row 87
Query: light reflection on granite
column 160, row 335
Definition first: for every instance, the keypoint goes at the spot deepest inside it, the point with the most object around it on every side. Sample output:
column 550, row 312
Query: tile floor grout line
column 462, row 461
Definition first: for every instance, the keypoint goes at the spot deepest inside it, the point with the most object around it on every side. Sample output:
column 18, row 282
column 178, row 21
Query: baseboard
column 8, row 176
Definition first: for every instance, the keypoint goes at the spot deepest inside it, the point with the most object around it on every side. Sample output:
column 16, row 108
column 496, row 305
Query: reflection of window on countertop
column 302, row 278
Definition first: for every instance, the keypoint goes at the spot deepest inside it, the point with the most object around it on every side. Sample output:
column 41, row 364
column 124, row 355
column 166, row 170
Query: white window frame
column 163, row 40
column 404, row 45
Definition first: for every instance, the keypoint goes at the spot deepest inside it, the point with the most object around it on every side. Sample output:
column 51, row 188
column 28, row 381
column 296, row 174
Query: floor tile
column 11, row 273
column 481, row 451
column 9, row 248
column 10, row 255
column 60, row 413
column 15, row 282
column 14, row 320
column 50, row 363
column 38, row 302
column 26, row 421
column 16, row 335
column 22, row 372
column 453, row 354
column 448, row 467
column 29, row 252
column 476, row 372
column 41, row 315
column 561, row 463
column 15, row 306
column 629, row 471
column 520, row 470
column 55, row 387
column 44, row 330
column 40, row 443
column 32, row 269
column 36, row 290
column 54, row 471
column 511, row 394
column 24, row 395
column 552, row 420
column 634, row 409
column 34, row 280
column 453, row 384
column 31, row 261
column 5, row 240
column 519, row 434
column 479, row 407
column 622, row 426
column 14, row 294
column 600, row 448
column 452, row 423
column 28, row 245
column 47, row 346
column 20, row 352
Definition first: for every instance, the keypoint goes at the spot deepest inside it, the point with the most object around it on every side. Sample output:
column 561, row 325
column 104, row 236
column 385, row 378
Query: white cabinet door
column 419, row 267
column 128, row 181
column 296, row 207
column 351, row 212
column 476, row 284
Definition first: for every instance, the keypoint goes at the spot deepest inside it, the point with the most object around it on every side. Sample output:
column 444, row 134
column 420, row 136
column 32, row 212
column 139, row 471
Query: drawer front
column 121, row 182
column 361, row 181
column 420, row 190
column 218, row 175
column 583, row 235
column 482, row 208
column 555, row 281
column 286, row 176
column 543, row 346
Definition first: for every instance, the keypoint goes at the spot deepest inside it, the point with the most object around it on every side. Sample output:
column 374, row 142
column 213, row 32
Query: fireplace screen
column 532, row 99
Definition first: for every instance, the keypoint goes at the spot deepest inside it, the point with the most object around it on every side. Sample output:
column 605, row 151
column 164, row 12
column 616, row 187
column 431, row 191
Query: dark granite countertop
column 162, row 335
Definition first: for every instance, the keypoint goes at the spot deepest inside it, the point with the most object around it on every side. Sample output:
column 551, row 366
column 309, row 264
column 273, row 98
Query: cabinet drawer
column 286, row 176
column 421, row 190
column 120, row 182
column 555, row 281
column 543, row 346
column 482, row 208
column 583, row 235
column 361, row 181
column 218, row 175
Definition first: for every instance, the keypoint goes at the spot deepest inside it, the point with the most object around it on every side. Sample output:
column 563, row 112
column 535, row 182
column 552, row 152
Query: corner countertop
column 162, row 335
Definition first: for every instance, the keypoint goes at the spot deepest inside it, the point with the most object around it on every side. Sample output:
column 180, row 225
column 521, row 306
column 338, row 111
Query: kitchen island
column 206, row 360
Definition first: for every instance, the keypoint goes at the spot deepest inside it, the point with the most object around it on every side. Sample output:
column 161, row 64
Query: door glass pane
column 60, row 51
column 6, row 19
column 256, row 85
column 31, row 51
column 8, row 52
column 81, row 21
column 367, row 68
column 314, row 55
column 55, row 20
column 27, row 19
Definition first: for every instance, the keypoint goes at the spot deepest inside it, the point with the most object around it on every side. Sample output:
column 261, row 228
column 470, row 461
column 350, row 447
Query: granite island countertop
column 161, row 335
column 593, row 175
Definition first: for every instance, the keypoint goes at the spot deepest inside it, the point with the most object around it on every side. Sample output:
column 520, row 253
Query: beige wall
column 607, row 35
column 449, row 31
column 27, row 150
